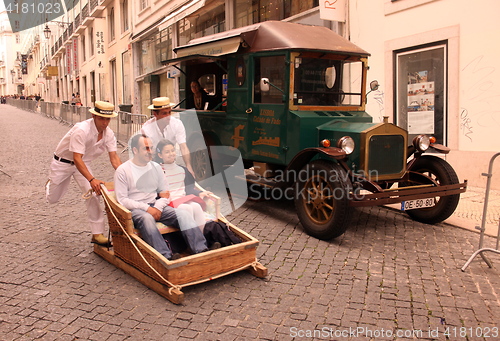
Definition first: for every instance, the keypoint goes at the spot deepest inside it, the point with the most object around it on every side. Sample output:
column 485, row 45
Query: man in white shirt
column 138, row 183
column 83, row 143
column 164, row 126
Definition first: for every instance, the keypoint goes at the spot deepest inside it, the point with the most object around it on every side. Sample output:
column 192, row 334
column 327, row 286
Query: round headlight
column 346, row 143
column 422, row 142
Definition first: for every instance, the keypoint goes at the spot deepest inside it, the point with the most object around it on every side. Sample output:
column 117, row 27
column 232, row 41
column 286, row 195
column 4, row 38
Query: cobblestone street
column 388, row 277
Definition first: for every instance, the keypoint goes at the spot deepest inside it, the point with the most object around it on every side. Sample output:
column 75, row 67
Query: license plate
column 417, row 203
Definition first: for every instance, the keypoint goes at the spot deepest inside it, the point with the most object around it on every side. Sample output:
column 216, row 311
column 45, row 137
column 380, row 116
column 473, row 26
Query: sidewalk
column 469, row 212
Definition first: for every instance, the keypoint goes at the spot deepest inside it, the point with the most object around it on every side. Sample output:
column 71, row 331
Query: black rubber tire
column 323, row 192
column 441, row 171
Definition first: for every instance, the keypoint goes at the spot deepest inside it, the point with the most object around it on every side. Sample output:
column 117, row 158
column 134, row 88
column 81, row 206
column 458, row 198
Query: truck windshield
column 327, row 82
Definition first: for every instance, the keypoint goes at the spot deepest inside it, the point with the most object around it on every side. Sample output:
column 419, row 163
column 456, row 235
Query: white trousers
column 59, row 179
column 196, row 212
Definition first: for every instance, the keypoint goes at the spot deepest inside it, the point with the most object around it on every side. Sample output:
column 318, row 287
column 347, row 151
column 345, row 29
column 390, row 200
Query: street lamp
column 46, row 30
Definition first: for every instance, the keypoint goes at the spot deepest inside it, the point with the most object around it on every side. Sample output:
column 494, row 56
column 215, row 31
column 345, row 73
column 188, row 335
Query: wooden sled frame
column 167, row 277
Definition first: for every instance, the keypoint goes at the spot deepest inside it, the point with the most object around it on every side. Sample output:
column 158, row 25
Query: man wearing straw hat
column 83, row 143
column 164, row 126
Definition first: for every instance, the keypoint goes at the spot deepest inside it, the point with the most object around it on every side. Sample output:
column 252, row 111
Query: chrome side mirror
column 374, row 85
column 264, row 84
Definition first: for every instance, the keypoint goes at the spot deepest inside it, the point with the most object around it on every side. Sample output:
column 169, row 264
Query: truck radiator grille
column 386, row 155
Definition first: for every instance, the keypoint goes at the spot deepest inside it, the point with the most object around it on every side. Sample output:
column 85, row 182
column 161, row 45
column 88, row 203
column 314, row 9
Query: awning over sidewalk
column 216, row 48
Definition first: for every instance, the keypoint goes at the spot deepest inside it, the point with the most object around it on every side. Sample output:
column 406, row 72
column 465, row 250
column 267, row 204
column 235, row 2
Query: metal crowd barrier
column 482, row 249
column 28, row 105
column 124, row 126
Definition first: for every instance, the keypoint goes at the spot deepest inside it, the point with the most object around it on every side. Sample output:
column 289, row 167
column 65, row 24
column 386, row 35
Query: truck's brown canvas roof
column 280, row 35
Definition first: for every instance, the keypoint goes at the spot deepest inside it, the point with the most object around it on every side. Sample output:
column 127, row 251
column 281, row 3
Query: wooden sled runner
column 167, row 277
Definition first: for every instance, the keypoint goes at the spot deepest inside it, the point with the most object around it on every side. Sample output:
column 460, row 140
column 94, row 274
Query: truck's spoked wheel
column 322, row 199
column 318, row 201
column 202, row 162
column 200, row 159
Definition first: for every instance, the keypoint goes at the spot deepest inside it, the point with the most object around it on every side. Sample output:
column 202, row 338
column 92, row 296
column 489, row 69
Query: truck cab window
column 207, row 82
column 272, row 68
column 326, row 82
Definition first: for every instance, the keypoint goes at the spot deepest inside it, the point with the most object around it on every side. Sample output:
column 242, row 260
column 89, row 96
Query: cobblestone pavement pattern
column 386, row 274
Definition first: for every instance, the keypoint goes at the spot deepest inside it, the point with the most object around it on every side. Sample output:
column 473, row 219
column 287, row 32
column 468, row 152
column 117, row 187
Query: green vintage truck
column 291, row 99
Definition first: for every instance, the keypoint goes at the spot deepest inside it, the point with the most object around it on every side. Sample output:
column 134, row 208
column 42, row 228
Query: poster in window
column 420, row 103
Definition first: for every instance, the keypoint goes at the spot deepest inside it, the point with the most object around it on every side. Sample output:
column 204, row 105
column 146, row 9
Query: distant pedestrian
column 83, row 143
column 77, row 100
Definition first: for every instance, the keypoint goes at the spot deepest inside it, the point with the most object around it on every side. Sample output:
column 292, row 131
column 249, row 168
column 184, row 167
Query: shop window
column 154, row 49
column 91, row 41
column 147, row 55
column 249, row 12
column 143, row 4
column 111, row 20
column 394, row 6
column 124, row 15
column 202, row 23
column 164, row 45
column 84, row 57
column 421, row 88
column 127, row 85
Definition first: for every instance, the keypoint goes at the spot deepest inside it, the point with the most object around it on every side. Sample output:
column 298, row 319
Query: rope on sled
column 87, row 194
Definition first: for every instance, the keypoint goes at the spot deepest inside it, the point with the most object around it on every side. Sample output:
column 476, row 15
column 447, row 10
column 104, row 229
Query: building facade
column 434, row 59
column 12, row 72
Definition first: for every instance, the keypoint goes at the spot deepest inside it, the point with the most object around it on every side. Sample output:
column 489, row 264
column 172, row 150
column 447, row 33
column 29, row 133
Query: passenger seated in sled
column 185, row 196
column 137, row 183
column 181, row 184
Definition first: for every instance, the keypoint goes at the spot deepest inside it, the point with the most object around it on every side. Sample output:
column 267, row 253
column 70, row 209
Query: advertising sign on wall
column 333, row 10
column 24, row 64
column 75, row 58
column 420, row 104
column 68, row 58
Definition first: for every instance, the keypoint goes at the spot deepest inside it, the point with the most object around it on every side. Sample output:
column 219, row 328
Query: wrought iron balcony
column 85, row 11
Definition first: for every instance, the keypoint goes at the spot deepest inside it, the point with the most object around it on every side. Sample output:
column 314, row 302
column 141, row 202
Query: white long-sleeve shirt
column 137, row 187
column 82, row 139
column 174, row 131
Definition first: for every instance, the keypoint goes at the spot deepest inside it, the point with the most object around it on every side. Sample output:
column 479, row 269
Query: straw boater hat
column 103, row 109
column 160, row 103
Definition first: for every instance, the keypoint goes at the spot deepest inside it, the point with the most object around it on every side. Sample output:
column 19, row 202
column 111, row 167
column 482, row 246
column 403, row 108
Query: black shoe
column 175, row 256
column 215, row 246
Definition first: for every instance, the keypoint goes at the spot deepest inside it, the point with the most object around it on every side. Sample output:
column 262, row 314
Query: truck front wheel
column 441, row 172
column 322, row 199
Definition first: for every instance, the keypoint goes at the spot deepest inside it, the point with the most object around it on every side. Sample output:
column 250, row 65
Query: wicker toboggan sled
column 167, row 277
